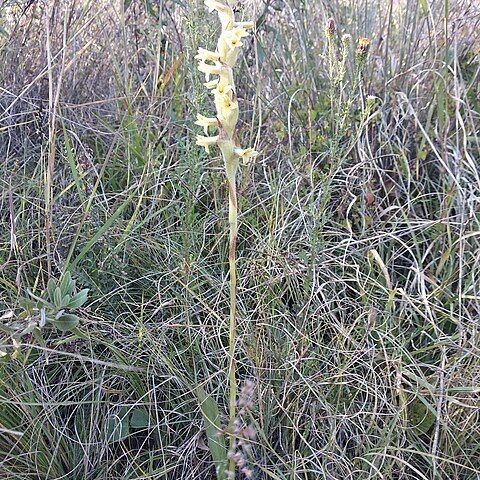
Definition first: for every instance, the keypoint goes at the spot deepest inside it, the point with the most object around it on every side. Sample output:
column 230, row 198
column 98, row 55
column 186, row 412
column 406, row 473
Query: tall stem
column 232, row 220
column 332, row 82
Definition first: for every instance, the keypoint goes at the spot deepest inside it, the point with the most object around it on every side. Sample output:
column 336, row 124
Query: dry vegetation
column 358, row 249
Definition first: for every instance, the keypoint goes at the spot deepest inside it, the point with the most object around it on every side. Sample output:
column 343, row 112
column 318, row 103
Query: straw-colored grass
column 357, row 253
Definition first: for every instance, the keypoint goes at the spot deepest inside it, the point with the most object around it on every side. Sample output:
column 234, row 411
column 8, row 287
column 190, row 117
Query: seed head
column 330, row 28
column 346, row 39
column 362, row 47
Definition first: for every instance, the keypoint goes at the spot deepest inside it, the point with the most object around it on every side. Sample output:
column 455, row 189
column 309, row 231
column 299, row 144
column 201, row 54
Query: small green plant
column 52, row 307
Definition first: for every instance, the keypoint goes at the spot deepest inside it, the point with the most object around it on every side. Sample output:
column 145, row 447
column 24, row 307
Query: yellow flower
column 225, row 104
column 205, row 55
column 220, row 69
column 211, row 84
column 246, row 154
column 233, row 41
column 206, row 122
column 222, row 89
column 244, row 25
column 209, row 69
column 240, row 29
column 206, row 142
column 227, row 109
column 225, row 13
column 228, row 45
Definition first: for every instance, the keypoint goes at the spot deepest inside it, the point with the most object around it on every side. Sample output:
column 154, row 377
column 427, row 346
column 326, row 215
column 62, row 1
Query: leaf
column 51, row 285
column 37, row 334
column 422, row 417
column 73, row 165
column 67, row 284
column 57, row 297
column 139, row 418
column 101, row 231
column 39, row 299
column 65, row 322
column 6, row 329
column 170, row 72
column 28, row 329
column 43, row 317
column 117, row 428
column 78, row 333
column 66, row 300
column 213, row 430
column 424, row 5
column 78, row 300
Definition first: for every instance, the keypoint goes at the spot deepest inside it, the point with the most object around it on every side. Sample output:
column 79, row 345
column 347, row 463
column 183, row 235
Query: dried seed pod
column 363, row 46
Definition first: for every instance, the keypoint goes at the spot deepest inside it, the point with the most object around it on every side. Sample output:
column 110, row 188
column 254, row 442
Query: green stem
column 232, row 220
column 332, row 81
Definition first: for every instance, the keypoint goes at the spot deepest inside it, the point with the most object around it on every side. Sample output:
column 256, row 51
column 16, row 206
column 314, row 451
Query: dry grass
column 358, row 304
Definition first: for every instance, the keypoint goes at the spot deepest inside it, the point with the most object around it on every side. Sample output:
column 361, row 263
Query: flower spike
column 219, row 64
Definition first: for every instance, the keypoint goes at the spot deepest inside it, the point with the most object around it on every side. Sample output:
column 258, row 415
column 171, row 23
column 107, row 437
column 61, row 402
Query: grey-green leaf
column 66, row 322
column 37, row 333
column 51, row 286
column 117, row 428
column 79, row 299
column 139, row 418
column 65, row 284
column 57, row 297
column 213, row 430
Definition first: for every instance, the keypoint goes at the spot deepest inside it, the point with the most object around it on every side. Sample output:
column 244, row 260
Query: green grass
column 358, row 301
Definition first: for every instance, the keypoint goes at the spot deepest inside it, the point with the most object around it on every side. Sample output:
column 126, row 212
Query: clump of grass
column 356, row 316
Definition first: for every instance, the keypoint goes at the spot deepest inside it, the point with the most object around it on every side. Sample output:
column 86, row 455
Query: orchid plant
column 219, row 65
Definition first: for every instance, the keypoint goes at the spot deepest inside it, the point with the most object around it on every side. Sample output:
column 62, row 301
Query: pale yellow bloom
column 206, row 122
column 224, row 102
column 225, row 13
column 240, row 29
column 206, row 142
column 246, row 154
column 209, row 69
column 220, row 69
column 232, row 41
column 222, row 89
column 220, row 63
column 211, row 84
column 205, row 55
column 229, row 43
column 228, row 47
column 245, row 25
column 227, row 112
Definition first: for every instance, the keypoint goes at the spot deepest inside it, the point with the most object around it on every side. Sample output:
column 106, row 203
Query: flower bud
column 346, row 39
column 330, row 28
